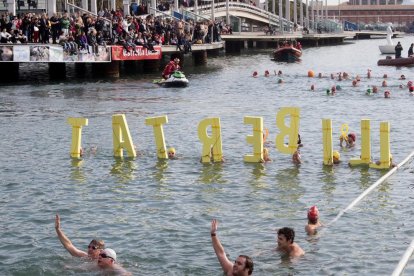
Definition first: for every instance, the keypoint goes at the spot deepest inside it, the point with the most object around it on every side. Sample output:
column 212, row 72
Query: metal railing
column 268, row 16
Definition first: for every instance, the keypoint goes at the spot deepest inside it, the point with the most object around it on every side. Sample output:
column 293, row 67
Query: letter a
column 120, row 130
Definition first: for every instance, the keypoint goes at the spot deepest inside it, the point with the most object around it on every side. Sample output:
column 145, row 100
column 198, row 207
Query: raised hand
column 214, row 225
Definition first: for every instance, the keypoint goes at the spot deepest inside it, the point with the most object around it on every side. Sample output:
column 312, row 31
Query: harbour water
column 157, row 214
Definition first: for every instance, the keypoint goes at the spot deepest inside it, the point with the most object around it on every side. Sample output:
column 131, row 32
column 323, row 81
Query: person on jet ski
column 171, row 67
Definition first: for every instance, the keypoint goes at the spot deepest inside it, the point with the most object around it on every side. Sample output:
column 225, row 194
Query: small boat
column 389, row 61
column 390, row 47
column 287, row 53
column 177, row 79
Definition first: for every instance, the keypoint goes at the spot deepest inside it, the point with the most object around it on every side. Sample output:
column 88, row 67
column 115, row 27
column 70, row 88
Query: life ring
column 344, row 131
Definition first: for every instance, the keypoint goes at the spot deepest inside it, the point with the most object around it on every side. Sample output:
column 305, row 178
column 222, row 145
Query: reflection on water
column 259, row 170
column 289, row 187
column 123, row 169
column 212, row 173
column 159, row 170
column 77, row 173
column 328, row 178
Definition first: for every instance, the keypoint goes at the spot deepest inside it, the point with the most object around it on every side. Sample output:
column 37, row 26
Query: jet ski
column 176, row 79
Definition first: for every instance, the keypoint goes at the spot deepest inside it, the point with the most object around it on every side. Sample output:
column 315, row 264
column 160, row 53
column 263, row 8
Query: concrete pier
column 151, row 66
column 200, row 57
column 106, row 69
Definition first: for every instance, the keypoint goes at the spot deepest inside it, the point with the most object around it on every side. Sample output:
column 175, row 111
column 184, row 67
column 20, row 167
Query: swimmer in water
column 387, row 94
column 296, row 158
column 255, row 74
column 336, row 157
column 384, row 83
column 267, row 73
column 243, row 265
column 107, row 262
column 313, row 221
column 286, row 244
column 349, row 140
column 94, row 247
column 266, row 157
column 171, row 153
column 369, row 74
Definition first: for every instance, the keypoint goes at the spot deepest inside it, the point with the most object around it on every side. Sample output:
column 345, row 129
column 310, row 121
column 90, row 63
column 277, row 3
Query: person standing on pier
column 398, row 50
column 242, row 266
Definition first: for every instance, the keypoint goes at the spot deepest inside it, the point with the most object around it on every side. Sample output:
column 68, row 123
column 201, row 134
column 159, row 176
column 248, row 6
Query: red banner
column 140, row 53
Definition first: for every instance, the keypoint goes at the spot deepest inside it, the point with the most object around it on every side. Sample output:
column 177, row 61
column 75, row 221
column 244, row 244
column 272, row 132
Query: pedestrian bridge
column 244, row 12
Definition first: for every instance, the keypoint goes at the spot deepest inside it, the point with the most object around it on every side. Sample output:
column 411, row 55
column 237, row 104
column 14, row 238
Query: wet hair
column 248, row 263
column 99, row 244
column 289, row 233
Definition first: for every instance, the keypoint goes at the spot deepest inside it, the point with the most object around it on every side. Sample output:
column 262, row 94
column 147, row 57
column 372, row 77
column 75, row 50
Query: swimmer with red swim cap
column 267, row 73
column 350, row 140
column 313, row 221
column 255, row 74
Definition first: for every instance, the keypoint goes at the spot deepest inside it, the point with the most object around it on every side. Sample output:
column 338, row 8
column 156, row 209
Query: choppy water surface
column 157, row 214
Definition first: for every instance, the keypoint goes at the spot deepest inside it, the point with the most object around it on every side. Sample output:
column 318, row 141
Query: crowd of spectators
column 84, row 32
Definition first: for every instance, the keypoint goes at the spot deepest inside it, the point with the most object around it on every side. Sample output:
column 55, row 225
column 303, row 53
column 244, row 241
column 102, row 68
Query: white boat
column 390, row 47
column 387, row 49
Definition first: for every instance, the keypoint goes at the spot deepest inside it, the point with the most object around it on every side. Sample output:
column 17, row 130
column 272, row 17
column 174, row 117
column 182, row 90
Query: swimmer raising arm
column 94, row 246
column 243, row 265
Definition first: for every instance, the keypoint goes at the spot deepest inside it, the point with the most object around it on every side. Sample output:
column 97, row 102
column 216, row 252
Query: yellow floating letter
column 327, row 141
column 77, row 124
column 210, row 143
column 256, row 139
column 120, row 130
column 157, row 123
column 292, row 131
column 384, row 162
column 365, row 144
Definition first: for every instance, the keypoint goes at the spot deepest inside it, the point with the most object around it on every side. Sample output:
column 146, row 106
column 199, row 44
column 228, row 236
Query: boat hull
column 409, row 61
column 177, row 83
column 289, row 54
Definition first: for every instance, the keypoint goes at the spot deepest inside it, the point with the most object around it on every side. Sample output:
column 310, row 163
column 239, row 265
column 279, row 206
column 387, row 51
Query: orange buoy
column 311, row 74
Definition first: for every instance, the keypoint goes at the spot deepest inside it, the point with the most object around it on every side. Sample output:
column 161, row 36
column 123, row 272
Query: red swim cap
column 313, row 212
column 254, row 73
column 411, row 88
column 352, row 136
